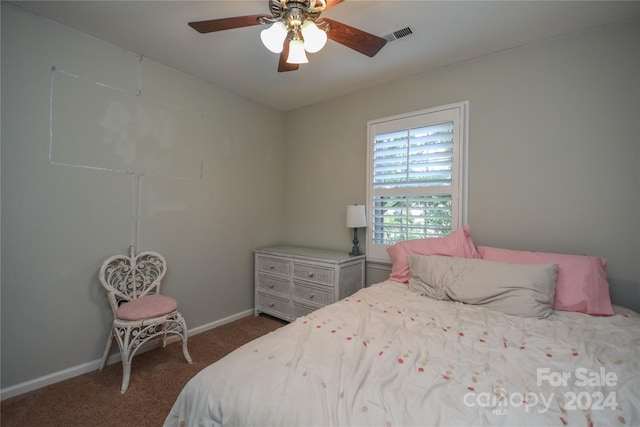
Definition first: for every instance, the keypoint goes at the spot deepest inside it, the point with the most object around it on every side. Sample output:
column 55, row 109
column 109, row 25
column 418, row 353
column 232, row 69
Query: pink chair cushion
column 147, row 307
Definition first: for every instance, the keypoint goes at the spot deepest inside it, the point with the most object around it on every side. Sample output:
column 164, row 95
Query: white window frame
column 459, row 112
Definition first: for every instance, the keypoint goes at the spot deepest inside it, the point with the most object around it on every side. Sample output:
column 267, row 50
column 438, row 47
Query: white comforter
column 388, row 357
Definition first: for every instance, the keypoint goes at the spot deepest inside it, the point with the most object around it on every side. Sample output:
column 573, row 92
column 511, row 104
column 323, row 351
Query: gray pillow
column 525, row 290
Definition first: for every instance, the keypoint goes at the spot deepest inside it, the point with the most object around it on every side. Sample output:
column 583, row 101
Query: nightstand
column 293, row 281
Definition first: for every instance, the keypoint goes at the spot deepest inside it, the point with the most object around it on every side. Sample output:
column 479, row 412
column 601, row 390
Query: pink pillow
column 581, row 284
column 458, row 244
column 147, row 307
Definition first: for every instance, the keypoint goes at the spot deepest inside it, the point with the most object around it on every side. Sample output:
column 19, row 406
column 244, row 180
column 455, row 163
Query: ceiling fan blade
column 358, row 40
column 222, row 24
column 283, row 65
column 331, row 3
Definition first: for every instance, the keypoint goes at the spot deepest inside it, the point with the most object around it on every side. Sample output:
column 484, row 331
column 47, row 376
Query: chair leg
column 183, row 335
column 185, row 350
column 126, row 360
column 124, row 339
column 106, row 350
column 126, row 373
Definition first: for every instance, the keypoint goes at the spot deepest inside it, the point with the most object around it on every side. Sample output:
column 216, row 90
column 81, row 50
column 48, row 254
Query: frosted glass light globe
column 314, row 37
column 274, row 36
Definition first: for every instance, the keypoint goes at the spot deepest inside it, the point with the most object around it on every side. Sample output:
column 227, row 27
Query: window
column 416, row 176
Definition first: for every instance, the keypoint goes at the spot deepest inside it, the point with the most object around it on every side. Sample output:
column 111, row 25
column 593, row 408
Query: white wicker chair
column 140, row 312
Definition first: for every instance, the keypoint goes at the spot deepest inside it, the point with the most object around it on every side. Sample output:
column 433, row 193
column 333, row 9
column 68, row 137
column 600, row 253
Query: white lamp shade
column 296, row 52
column 356, row 216
column 274, row 36
column 314, row 37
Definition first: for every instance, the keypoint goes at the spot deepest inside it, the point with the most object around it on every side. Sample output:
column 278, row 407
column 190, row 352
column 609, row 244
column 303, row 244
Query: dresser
column 293, row 281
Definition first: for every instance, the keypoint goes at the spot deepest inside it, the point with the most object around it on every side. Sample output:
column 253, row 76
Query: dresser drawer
column 300, row 310
column 312, row 294
column 314, row 273
column 273, row 284
column 273, row 305
column 272, row 265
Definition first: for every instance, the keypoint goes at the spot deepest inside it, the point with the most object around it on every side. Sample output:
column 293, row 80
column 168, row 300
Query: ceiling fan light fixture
column 274, row 36
column 314, row 37
column 296, row 52
column 294, row 28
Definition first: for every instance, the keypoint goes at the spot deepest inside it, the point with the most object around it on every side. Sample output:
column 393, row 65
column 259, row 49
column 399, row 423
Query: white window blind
column 416, row 176
column 414, row 157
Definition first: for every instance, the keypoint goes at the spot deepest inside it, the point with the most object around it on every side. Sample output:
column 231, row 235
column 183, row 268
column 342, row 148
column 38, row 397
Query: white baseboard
column 84, row 368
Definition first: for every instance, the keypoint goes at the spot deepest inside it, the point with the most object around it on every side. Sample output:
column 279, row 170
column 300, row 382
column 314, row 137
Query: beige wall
column 59, row 223
column 554, row 151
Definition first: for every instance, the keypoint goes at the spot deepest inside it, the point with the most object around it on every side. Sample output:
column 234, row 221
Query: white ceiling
column 444, row 33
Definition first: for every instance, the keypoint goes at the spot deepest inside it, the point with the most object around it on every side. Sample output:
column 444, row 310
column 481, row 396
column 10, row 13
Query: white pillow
column 525, row 290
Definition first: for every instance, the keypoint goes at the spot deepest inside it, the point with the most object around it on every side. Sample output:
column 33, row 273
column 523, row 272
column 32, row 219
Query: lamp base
column 356, row 249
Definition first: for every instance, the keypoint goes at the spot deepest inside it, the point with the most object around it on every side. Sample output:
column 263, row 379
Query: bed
column 406, row 354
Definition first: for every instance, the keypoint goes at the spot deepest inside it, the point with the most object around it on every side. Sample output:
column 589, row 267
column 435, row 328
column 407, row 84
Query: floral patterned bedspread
column 388, row 357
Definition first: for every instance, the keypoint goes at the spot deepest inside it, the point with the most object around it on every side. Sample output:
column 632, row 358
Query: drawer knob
column 271, row 305
column 271, row 267
column 310, row 274
column 311, row 296
column 271, row 286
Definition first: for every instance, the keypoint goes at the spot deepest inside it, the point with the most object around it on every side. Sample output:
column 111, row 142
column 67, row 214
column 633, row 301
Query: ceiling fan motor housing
column 294, row 9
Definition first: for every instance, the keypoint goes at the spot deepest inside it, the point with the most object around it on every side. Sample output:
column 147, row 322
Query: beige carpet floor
column 157, row 376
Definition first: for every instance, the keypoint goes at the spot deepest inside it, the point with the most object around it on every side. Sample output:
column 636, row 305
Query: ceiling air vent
column 404, row 32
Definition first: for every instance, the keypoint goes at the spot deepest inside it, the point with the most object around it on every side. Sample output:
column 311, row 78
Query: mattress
column 389, row 357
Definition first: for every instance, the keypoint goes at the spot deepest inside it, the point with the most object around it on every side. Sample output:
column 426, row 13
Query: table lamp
column 356, row 217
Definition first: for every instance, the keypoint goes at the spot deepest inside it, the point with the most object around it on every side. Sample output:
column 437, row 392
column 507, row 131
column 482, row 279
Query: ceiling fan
column 296, row 28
